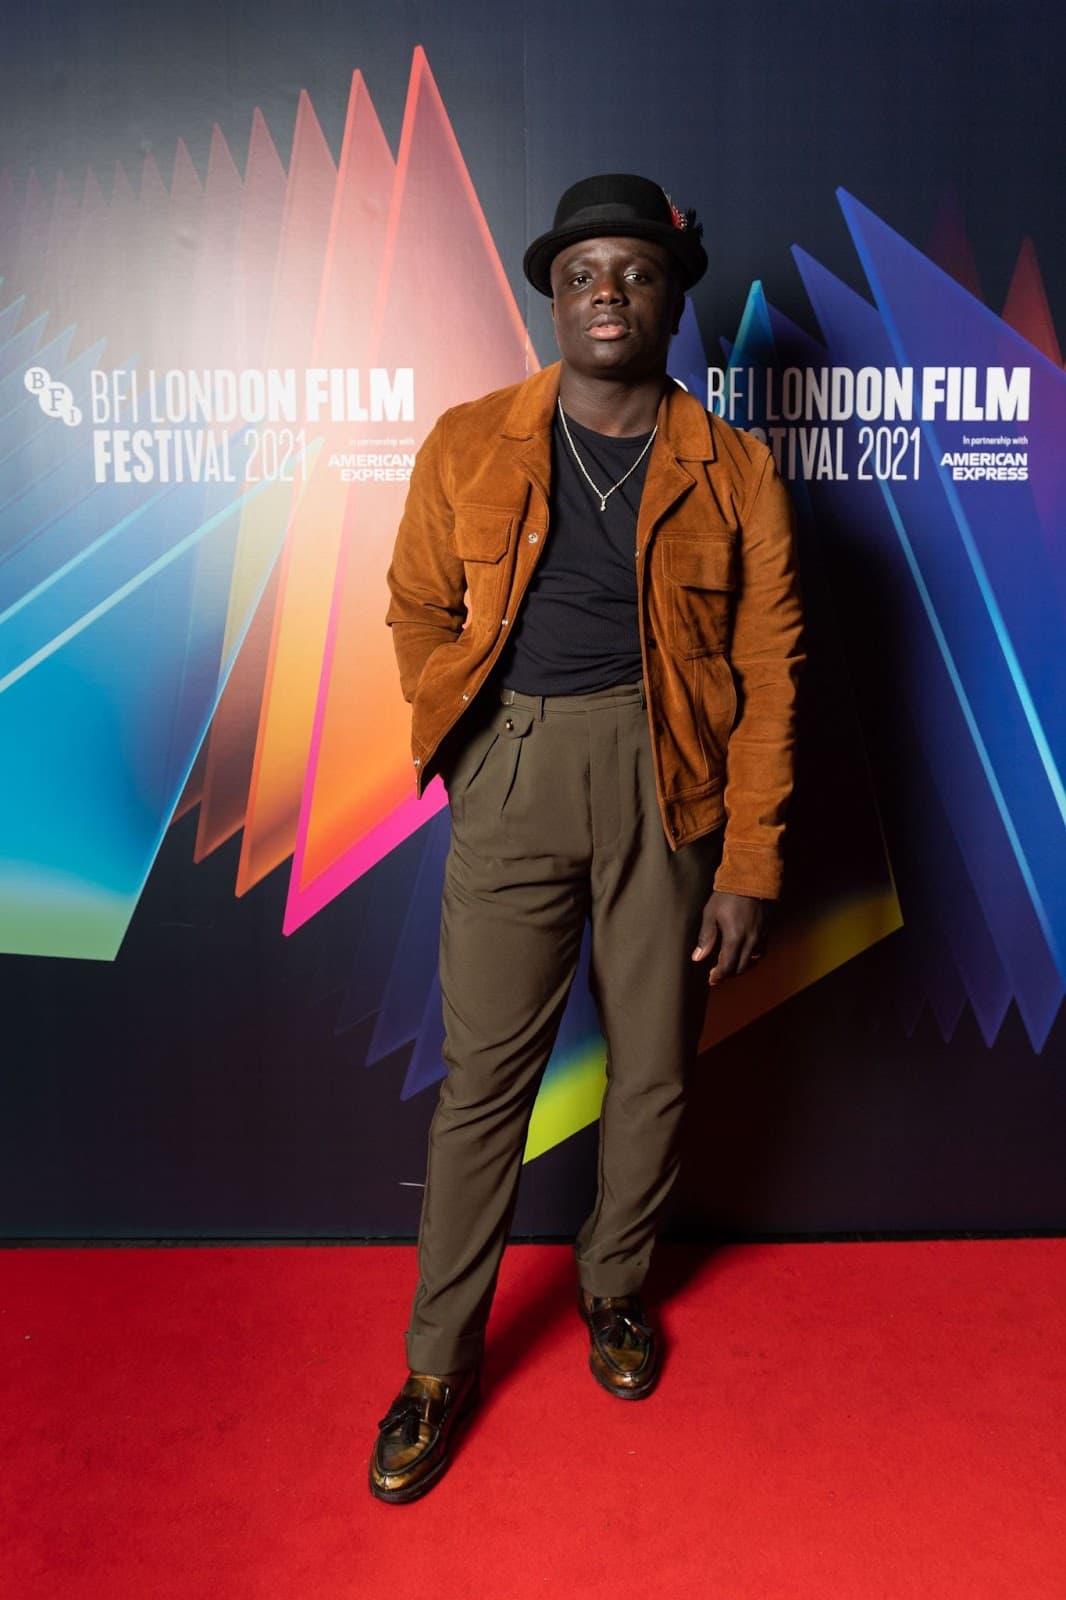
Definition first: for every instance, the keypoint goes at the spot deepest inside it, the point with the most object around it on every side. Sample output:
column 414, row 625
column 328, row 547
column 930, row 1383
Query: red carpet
column 835, row 1422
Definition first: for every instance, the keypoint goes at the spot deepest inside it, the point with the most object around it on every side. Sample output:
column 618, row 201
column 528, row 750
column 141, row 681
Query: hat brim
column 685, row 248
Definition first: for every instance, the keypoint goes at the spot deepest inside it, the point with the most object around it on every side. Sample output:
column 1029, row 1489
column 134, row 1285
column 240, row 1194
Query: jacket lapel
column 666, row 482
column 529, row 427
column 684, row 436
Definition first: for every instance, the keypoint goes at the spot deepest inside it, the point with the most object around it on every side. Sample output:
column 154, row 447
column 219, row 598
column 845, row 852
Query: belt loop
column 507, row 697
column 539, row 708
column 643, row 694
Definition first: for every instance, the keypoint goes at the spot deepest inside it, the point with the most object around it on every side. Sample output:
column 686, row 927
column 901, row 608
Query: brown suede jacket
column 720, row 614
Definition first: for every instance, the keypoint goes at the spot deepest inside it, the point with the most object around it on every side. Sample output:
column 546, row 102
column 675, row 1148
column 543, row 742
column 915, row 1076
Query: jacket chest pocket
column 700, row 572
column 482, row 533
column 482, row 536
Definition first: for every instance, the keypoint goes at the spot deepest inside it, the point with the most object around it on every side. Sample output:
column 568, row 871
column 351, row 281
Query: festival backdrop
column 248, row 255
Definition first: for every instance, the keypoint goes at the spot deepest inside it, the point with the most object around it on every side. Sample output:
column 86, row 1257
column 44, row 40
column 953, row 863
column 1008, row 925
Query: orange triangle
column 445, row 308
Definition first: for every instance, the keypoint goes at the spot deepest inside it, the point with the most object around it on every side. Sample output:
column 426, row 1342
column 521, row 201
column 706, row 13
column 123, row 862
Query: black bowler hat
column 625, row 206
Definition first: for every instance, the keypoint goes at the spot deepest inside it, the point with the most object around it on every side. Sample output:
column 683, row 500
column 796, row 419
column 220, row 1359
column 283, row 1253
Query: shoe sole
column 415, row 1491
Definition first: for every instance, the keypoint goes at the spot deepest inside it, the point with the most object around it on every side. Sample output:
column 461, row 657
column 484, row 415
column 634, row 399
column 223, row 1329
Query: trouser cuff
column 438, row 1353
column 611, row 1278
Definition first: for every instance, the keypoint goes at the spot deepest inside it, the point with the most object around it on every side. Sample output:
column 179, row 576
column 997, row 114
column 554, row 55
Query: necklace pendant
column 603, row 502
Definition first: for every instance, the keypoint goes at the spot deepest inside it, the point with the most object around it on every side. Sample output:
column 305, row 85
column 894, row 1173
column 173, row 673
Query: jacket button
column 653, row 644
column 466, row 697
column 503, row 622
column 532, row 537
column 418, row 762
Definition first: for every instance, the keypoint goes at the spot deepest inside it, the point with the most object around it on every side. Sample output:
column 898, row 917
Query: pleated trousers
column 555, row 823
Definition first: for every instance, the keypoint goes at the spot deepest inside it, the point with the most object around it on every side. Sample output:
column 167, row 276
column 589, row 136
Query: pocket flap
column 514, row 722
column 481, row 532
column 700, row 563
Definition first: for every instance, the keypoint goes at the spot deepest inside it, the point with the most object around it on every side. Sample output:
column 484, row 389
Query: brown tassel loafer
column 624, row 1355
column 415, row 1435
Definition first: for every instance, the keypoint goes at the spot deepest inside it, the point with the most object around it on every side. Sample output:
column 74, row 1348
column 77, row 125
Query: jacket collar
column 684, row 431
column 684, row 435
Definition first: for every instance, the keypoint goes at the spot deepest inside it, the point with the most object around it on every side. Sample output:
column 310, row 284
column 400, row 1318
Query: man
column 597, row 622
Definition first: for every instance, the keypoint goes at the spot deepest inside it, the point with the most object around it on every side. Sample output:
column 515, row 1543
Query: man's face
column 616, row 303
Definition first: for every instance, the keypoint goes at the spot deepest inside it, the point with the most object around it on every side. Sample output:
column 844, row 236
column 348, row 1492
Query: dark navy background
column 197, row 1086
column 752, row 114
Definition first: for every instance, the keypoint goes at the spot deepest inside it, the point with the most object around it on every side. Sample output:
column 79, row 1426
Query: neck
column 614, row 408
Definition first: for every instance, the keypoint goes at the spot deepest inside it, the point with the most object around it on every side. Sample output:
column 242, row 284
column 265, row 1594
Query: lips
column 606, row 326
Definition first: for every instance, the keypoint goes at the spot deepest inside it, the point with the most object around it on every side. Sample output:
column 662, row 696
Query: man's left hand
column 736, row 925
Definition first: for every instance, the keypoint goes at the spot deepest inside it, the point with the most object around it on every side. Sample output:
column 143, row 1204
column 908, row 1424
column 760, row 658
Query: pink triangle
column 950, row 245
column 57, row 269
column 262, row 208
column 7, row 228
column 1026, row 308
column 305, row 225
column 350, row 267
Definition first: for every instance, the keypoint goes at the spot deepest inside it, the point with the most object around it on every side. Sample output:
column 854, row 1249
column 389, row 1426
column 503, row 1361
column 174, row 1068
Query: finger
column 726, row 965
column 748, row 954
column 708, row 935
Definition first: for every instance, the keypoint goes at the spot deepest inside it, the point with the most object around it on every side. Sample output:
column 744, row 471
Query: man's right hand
column 736, row 924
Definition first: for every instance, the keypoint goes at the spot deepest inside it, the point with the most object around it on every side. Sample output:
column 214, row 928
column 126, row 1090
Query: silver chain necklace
column 604, row 494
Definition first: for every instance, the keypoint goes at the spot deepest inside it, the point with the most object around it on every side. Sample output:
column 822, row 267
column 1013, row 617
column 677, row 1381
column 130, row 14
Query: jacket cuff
column 750, row 870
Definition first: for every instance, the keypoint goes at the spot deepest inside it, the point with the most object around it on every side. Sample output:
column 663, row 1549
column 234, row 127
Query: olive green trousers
column 555, row 822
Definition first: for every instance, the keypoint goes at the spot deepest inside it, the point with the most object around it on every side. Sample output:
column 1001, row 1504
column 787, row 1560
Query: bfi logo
column 54, row 398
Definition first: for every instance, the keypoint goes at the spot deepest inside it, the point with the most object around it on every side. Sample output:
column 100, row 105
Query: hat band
column 612, row 211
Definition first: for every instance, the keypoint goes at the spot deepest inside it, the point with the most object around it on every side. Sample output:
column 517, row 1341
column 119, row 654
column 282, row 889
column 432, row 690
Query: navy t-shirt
column 577, row 630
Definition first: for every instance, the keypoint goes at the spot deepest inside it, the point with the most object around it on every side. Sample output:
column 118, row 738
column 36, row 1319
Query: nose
column 609, row 289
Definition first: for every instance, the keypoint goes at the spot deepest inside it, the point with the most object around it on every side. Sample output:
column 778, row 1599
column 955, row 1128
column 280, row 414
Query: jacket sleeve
column 426, row 578
column 766, row 657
